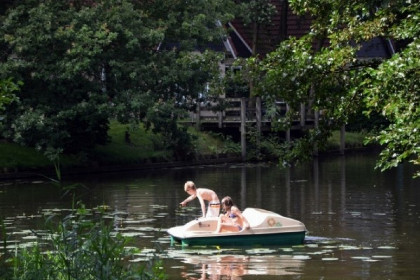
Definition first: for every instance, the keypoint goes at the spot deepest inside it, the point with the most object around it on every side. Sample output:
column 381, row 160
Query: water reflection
column 356, row 216
column 227, row 266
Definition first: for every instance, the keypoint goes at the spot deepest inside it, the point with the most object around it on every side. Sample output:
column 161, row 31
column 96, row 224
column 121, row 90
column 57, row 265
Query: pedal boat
column 266, row 228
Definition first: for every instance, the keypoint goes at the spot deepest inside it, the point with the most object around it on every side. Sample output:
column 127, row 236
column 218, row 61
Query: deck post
column 287, row 194
column 302, row 115
column 258, row 121
column 198, row 116
column 316, row 193
column 220, row 119
column 342, row 139
column 243, row 128
column 288, row 129
column 316, row 124
column 243, row 186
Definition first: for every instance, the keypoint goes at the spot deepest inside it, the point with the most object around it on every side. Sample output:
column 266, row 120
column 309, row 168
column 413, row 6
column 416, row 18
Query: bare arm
column 188, row 199
column 245, row 221
column 238, row 213
column 203, row 205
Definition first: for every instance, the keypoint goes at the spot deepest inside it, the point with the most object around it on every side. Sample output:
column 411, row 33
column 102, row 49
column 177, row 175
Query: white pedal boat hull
column 267, row 228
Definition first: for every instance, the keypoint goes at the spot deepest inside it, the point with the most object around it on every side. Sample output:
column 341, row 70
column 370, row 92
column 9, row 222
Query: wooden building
column 248, row 40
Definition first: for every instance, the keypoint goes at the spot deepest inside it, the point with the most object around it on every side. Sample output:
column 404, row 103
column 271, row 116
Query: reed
column 80, row 246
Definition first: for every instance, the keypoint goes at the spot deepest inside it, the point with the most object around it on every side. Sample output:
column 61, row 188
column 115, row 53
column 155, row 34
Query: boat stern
column 195, row 228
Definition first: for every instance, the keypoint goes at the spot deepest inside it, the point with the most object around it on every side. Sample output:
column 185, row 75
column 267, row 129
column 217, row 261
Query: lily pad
column 287, row 249
column 132, row 234
column 301, row 257
column 155, row 206
column 361, row 258
column 141, row 259
column 387, row 247
column 260, row 251
column 317, row 253
column 347, row 247
column 355, row 213
column 30, row 237
column 178, row 267
column 381, row 257
column 330, row 259
column 330, row 247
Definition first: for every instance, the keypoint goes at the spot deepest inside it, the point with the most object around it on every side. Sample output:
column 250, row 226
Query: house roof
column 286, row 24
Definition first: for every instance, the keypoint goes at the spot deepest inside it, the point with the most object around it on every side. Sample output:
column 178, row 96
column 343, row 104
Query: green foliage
column 176, row 138
column 213, row 144
column 61, row 104
column 5, row 270
column 7, row 92
column 332, row 80
column 144, row 146
column 393, row 90
column 258, row 11
column 353, row 140
column 82, row 246
column 193, row 24
column 54, row 156
column 360, row 121
column 258, row 14
column 83, row 64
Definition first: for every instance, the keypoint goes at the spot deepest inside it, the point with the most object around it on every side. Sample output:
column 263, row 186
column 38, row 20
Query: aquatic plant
column 79, row 246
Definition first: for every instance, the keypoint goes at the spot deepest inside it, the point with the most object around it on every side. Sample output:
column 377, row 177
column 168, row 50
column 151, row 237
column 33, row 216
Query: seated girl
column 232, row 220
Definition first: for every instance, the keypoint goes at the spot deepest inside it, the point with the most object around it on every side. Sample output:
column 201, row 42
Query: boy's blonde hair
column 189, row 185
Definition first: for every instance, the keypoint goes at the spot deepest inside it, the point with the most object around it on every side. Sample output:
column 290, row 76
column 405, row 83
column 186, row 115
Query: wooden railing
column 238, row 114
column 207, row 115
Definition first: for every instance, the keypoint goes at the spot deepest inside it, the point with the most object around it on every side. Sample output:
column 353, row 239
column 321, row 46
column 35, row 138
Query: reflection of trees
column 326, row 194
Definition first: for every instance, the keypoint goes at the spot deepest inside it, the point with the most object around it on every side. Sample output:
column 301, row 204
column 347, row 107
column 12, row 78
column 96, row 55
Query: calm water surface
column 362, row 224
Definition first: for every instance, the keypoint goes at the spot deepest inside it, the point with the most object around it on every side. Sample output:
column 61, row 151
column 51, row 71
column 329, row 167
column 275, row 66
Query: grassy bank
column 142, row 146
column 353, row 140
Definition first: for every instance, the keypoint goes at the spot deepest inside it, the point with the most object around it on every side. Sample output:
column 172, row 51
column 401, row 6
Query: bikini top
column 232, row 216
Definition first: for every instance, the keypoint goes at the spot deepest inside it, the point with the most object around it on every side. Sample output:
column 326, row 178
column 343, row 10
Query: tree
column 7, row 92
column 83, row 62
column 258, row 14
column 334, row 82
column 393, row 90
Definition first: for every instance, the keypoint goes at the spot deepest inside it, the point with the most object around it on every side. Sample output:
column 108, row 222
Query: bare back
column 207, row 194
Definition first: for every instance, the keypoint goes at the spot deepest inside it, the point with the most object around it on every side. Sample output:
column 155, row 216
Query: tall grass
column 80, row 247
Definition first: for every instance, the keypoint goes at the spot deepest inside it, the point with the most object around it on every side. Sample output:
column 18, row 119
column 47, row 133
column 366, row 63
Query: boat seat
column 256, row 217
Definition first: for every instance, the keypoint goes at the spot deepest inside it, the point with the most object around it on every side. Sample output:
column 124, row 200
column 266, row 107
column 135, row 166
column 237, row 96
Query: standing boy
column 203, row 194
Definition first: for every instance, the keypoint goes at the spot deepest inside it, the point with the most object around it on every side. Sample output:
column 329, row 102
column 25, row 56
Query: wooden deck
column 206, row 117
column 237, row 117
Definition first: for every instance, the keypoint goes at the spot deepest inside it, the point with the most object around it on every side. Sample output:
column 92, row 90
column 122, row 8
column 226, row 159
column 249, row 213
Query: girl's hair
column 227, row 201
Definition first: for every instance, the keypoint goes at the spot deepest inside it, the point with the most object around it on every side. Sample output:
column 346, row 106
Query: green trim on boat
column 286, row 238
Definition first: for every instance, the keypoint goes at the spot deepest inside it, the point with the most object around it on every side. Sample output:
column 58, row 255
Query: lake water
column 362, row 224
